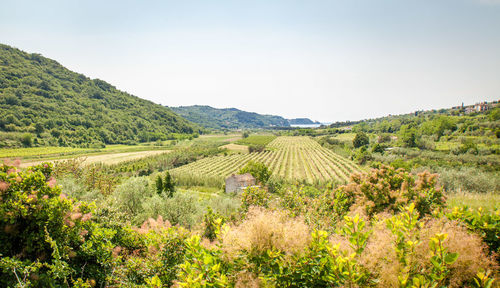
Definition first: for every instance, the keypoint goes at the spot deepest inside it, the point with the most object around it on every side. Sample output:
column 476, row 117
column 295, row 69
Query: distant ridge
column 302, row 121
column 56, row 106
column 228, row 118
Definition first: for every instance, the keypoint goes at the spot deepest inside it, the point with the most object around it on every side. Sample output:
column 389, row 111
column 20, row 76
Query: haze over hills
column 232, row 118
column 41, row 97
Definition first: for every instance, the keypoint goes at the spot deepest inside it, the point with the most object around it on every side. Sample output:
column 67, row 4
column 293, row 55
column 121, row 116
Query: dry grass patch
column 264, row 230
column 236, row 148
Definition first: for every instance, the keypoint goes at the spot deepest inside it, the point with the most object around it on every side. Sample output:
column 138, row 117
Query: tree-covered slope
column 302, row 121
column 229, row 118
column 60, row 107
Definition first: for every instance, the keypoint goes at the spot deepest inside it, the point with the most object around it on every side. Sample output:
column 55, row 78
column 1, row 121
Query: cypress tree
column 168, row 185
column 159, row 184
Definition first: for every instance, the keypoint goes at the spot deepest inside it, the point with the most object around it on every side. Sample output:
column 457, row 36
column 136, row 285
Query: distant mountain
column 229, row 118
column 302, row 121
column 56, row 106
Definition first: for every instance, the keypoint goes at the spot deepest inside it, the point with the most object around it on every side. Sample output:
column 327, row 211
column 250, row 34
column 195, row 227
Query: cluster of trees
column 410, row 128
column 41, row 98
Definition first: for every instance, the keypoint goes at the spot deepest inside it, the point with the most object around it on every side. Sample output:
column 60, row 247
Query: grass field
column 39, row 151
column 289, row 158
column 109, row 159
column 256, row 140
column 235, row 148
column 488, row 201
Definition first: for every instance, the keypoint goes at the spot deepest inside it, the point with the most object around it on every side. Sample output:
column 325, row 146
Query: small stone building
column 236, row 183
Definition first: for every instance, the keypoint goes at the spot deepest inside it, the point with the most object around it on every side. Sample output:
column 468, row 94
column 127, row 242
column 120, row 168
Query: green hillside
column 228, row 118
column 302, row 121
column 43, row 103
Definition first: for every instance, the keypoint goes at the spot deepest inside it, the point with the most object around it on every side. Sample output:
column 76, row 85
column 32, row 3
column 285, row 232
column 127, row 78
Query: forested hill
column 229, row 118
column 59, row 107
column 302, row 121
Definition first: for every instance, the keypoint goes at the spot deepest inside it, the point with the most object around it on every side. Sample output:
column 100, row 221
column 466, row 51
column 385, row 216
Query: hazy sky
column 326, row 60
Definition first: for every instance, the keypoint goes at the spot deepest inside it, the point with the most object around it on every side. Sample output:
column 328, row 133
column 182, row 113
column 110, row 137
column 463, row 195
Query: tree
column 168, row 185
column 258, row 170
column 361, row 139
column 39, row 128
column 408, row 136
column 26, row 140
column 245, row 134
column 159, row 184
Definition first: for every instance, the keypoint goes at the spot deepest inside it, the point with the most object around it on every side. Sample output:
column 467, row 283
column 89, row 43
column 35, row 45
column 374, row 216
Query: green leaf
column 450, row 258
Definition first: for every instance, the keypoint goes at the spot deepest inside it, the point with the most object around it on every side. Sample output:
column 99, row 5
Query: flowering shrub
column 386, row 189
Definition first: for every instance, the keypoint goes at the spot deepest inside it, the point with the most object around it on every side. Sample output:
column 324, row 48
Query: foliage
column 51, row 241
column 168, row 185
column 254, row 196
column 159, row 184
column 361, row 139
column 387, row 188
column 258, row 170
column 212, row 223
column 229, row 118
column 487, row 224
column 47, row 237
column 41, row 95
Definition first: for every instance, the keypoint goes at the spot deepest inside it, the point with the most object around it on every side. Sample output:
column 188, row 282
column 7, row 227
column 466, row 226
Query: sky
column 325, row 60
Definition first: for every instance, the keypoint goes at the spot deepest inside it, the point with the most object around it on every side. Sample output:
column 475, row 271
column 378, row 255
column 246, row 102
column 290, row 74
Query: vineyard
column 289, row 158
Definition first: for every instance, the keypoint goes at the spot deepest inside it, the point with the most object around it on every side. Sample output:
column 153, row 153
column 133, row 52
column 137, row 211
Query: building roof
column 243, row 177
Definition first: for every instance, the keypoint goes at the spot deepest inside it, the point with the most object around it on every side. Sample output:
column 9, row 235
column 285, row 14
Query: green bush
column 183, row 209
column 361, row 139
column 254, row 196
column 47, row 240
column 129, row 195
column 258, row 170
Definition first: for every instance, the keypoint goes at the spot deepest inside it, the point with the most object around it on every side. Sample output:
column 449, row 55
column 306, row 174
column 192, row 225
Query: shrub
column 76, row 190
column 45, row 237
column 468, row 179
column 387, row 188
column 256, row 148
column 26, row 140
column 212, row 223
column 183, row 209
column 254, row 196
column 129, row 195
column 361, row 139
column 486, row 224
column 263, row 231
column 258, row 170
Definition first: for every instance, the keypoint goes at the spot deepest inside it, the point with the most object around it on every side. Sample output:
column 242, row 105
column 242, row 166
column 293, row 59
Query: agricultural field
column 256, row 140
column 235, row 148
column 109, row 159
column 37, row 151
column 289, row 158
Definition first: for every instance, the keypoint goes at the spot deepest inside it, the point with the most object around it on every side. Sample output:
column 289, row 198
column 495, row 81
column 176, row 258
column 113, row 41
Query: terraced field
column 291, row 158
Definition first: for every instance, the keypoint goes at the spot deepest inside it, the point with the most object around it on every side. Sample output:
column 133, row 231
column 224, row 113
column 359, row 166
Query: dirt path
column 112, row 158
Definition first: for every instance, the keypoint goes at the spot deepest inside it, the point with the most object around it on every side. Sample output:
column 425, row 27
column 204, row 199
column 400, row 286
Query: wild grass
column 487, row 201
column 265, row 230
